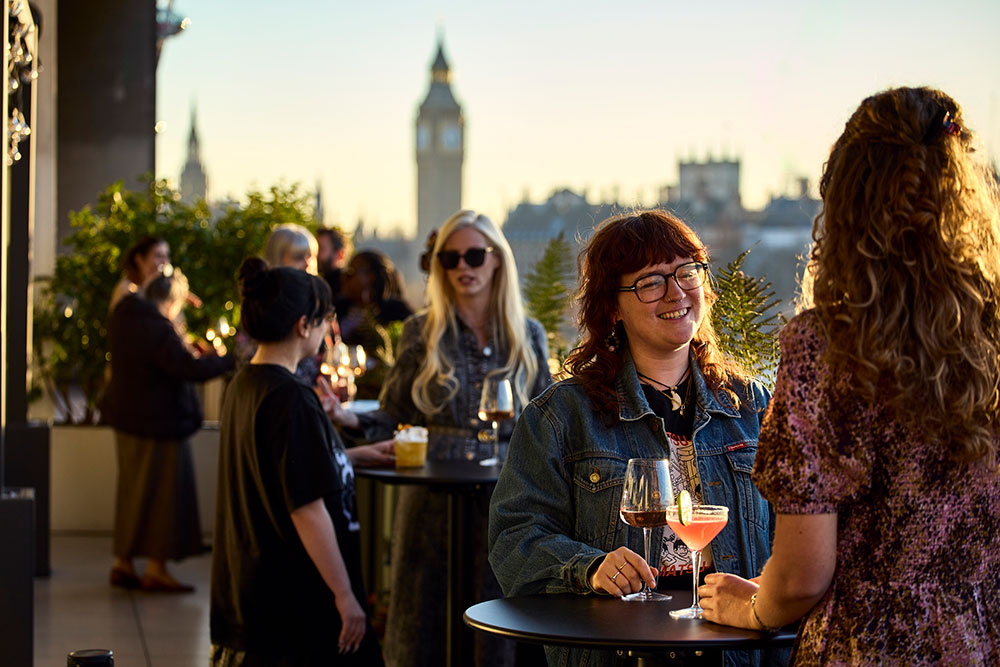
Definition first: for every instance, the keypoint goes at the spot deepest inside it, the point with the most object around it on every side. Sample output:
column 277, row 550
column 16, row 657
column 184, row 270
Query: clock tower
column 440, row 144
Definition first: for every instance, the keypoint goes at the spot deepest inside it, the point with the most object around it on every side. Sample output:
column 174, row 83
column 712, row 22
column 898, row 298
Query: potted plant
column 70, row 321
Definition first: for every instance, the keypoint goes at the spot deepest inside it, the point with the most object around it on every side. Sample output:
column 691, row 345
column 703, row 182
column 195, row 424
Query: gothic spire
column 193, row 150
column 440, row 71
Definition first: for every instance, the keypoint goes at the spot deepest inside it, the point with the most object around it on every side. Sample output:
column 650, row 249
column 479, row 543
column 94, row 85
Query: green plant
column 239, row 231
column 548, row 290
column 70, row 320
column 746, row 321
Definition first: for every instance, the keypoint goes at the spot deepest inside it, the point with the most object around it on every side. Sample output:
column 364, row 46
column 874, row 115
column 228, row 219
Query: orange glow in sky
column 588, row 95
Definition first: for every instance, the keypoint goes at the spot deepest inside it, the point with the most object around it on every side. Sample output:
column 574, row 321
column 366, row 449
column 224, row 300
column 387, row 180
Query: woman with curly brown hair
column 648, row 381
column 880, row 450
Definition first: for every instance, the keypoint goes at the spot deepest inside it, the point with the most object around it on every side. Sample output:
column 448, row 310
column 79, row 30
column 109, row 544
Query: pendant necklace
column 676, row 402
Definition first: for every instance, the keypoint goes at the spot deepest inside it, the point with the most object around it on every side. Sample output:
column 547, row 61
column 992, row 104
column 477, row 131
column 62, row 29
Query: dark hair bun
column 253, row 277
column 272, row 300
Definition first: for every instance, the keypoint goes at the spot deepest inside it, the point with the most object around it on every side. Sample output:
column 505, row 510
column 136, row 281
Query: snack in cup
column 411, row 446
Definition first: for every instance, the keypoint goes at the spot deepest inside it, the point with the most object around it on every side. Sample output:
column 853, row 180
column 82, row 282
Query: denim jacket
column 554, row 512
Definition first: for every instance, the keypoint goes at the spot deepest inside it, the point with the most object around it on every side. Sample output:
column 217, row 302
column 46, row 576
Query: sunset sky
column 589, row 95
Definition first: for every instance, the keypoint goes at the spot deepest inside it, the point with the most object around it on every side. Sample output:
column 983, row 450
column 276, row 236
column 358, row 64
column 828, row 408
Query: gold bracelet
column 753, row 608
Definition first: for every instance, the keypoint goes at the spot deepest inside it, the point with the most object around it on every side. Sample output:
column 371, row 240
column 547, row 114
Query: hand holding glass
column 645, row 497
column 495, row 405
column 707, row 521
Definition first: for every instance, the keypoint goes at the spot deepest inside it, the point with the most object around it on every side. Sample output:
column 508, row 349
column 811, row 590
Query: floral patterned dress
column 917, row 580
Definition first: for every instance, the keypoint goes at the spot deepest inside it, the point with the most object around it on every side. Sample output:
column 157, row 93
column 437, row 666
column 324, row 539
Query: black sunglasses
column 473, row 257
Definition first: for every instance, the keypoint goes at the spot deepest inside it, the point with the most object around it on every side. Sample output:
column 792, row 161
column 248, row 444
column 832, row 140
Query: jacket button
column 595, row 476
column 656, row 426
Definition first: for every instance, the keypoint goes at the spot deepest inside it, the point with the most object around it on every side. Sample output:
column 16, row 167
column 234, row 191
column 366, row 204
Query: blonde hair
column 289, row 238
column 905, row 269
column 507, row 320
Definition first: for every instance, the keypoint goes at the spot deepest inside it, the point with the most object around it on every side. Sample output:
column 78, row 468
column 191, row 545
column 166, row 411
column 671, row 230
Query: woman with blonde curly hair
column 880, row 450
column 474, row 326
column 648, row 381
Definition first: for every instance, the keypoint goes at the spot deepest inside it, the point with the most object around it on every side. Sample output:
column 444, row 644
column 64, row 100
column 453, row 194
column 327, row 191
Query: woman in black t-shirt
column 286, row 570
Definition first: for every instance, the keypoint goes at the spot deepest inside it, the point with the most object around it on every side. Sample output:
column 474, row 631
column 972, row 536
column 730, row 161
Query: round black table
column 599, row 621
column 455, row 478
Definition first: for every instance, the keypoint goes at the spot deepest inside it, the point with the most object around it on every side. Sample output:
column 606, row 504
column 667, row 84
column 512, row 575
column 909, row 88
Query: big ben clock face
column 423, row 136
column 451, row 137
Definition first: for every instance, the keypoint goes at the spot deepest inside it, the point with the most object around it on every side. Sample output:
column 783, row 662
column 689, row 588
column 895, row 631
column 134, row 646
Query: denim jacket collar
column 632, row 403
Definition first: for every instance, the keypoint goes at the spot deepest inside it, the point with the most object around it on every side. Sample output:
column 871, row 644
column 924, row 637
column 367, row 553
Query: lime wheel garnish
column 684, row 508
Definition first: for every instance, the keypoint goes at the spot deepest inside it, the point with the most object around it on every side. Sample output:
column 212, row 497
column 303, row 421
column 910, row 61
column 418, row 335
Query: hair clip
column 942, row 122
column 950, row 127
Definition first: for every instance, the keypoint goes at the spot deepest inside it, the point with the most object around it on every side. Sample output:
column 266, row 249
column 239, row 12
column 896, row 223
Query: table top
column 446, row 473
column 362, row 405
column 607, row 622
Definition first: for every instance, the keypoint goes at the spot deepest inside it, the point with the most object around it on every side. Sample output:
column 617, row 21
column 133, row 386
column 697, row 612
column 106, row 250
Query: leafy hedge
column 71, row 316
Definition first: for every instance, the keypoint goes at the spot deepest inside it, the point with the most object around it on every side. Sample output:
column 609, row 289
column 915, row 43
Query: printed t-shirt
column 278, row 452
column 675, row 557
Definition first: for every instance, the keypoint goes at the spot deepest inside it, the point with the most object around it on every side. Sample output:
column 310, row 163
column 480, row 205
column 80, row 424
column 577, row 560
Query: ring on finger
column 620, row 567
column 615, row 576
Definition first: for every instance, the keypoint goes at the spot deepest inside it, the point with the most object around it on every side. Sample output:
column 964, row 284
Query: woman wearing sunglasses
column 648, row 381
column 474, row 325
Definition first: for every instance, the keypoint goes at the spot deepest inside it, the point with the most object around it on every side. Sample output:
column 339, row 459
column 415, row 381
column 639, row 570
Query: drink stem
column 645, row 537
column 696, row 564
column 496, row 441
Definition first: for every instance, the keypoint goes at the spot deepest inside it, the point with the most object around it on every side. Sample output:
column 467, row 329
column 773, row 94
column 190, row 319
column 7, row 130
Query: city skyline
column 598, row 100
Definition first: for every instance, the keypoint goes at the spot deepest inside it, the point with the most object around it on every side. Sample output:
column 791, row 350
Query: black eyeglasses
column 473, row 257
column 653, row 287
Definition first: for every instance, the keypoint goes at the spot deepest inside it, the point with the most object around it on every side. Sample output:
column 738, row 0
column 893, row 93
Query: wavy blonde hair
column 905, row 268
column 506, row 319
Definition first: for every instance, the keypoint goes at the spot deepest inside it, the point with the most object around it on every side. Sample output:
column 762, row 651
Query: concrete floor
column 75, row 608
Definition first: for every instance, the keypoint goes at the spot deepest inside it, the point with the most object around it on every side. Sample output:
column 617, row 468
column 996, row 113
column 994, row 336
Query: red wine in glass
column 495, row 405
column 646, row 494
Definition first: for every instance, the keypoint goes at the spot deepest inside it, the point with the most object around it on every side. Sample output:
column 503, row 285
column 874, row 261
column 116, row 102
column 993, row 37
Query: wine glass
column 336, row 364
column 495, row 405
column 645, row 497
column 359, row 360
column 706, row 522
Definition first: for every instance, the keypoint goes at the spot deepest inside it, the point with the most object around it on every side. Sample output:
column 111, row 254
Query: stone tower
column 440, row 147
column 194, row 185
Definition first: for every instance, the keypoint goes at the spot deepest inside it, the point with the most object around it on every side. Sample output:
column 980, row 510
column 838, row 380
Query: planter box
column 84, row 475
column 17, row 526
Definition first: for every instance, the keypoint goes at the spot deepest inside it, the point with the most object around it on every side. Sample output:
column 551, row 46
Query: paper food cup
column 411, row 447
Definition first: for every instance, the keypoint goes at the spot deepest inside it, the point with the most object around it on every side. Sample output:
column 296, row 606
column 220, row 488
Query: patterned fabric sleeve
column 813, row 451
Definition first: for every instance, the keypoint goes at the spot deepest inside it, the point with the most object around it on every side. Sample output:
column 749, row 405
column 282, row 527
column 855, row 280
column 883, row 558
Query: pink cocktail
column 699, row 533
column 707, row 521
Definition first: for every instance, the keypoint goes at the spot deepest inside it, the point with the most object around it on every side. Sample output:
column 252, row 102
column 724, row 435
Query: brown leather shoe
column 124, row 579
column 155, row 585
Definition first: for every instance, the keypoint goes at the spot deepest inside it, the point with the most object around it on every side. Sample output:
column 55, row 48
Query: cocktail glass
column 707, row 521
column 645, row 498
